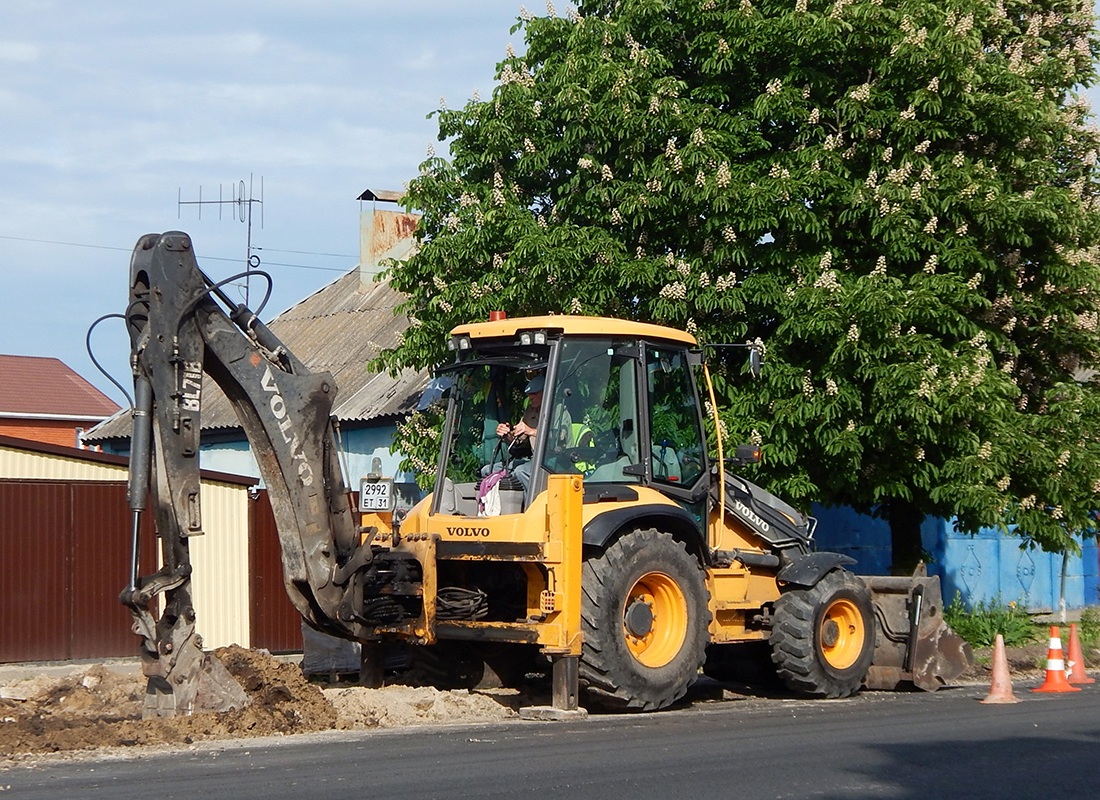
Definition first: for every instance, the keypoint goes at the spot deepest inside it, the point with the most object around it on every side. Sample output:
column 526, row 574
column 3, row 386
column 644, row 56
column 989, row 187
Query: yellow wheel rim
column 841, row 634
column 655, row 619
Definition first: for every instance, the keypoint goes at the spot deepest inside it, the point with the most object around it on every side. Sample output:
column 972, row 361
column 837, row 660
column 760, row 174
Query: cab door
column 675, row 441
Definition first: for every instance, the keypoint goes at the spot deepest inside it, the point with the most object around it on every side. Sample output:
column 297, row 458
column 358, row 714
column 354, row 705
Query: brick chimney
column 385, row 232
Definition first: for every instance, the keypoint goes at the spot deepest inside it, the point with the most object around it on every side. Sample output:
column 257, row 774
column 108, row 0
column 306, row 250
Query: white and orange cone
column 1056, row 666
column 1000, row 690
column 1075, row 662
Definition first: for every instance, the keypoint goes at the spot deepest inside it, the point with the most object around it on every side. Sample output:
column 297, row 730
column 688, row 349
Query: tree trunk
column 905, row 543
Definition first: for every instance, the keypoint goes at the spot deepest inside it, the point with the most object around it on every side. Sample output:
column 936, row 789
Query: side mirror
column 745, row 454
column 756, row 354
column 755, row 361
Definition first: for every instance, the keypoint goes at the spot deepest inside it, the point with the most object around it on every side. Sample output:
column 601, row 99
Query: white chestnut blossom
column 861, row 93
column 674, row 291
column 723, row 177
column 727, row 281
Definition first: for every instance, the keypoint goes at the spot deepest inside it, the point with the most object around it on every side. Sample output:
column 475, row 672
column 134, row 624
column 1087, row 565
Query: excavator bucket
column 181, row 679
column 914, row 644
column 206, row 685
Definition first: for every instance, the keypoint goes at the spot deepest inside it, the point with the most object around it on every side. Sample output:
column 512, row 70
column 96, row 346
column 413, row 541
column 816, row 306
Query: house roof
column 339, row 330
column 37, row 387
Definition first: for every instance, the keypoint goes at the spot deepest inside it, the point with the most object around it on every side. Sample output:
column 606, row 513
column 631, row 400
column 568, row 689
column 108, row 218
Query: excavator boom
column 178, row 333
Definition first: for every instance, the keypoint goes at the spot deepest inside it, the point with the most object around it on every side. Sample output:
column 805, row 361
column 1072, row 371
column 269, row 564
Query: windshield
column 506, row 420
column 484, row 397
column 594, row 411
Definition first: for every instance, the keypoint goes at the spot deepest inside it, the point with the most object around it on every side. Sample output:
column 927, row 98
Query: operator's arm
column 528, row 426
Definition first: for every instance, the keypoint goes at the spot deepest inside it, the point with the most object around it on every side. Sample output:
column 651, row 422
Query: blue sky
column 112, row 109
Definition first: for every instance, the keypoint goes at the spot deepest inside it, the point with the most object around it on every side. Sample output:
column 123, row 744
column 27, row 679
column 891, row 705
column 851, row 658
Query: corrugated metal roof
column 33, row 386
column 385, row 195
column 340, row 329
column 22, row 459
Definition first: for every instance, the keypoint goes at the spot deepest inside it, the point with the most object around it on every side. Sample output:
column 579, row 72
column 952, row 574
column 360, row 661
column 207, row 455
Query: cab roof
column 570, row 325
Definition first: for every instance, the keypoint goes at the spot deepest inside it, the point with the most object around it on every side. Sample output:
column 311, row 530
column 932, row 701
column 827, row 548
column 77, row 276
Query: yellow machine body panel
column 571, row 325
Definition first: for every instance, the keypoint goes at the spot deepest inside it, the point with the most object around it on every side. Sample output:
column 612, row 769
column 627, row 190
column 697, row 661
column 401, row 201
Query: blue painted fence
column 987, row 566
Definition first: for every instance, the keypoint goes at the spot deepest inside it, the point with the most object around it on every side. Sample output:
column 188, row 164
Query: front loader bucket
column 914, row 644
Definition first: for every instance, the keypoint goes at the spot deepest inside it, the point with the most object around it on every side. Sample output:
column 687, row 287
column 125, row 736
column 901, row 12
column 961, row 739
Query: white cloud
column 22, row 52
column 425, row 59
column 112, row 110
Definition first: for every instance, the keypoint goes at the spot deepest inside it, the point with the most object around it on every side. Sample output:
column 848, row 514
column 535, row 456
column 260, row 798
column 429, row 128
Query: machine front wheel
column 823, row 637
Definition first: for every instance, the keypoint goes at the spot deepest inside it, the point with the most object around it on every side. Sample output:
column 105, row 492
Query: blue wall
column 986, row 566
column 362, row 446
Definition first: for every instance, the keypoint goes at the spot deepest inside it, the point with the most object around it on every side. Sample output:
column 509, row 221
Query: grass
column 981, row 624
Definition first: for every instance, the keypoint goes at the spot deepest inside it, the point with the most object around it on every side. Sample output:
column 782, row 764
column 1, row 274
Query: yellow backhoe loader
column 577, row 518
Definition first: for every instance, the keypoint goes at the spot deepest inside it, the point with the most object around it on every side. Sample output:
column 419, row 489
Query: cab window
column 676, row 435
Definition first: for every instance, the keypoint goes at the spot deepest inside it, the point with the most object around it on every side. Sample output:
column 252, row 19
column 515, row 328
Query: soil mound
column 99, row 708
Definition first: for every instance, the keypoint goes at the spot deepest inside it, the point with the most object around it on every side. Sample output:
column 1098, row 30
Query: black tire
column 445, row 665
column 823, row 637
column 644, row 615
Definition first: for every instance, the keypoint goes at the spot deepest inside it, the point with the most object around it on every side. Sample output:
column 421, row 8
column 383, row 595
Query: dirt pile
column 397, row 706
column 97, row 707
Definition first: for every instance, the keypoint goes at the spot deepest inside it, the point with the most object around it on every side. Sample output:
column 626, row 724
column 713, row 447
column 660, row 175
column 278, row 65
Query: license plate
column 376, row 495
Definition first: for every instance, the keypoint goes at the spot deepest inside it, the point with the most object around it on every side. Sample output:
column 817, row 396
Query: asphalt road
column 928, row 746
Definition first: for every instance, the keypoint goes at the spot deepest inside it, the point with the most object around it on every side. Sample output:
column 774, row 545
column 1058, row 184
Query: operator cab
column 619, row 409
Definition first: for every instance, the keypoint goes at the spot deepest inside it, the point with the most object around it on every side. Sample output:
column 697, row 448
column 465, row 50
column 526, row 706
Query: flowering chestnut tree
column 898, row 197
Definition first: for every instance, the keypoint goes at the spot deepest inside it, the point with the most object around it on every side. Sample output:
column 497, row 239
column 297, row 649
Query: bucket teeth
column 188, row 682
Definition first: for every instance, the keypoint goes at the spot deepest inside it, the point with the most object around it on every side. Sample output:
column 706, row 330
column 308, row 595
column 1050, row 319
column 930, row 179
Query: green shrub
column 981, row 624
column 1089, row 627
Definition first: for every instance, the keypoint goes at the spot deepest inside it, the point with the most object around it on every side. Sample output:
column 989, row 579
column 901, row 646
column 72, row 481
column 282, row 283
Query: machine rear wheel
column 445, row 665
column 742, row 662
column 823, row 637
column 644, row 616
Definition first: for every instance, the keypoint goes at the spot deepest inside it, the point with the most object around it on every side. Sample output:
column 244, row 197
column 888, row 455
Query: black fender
column 809, row 568
column 672, row 519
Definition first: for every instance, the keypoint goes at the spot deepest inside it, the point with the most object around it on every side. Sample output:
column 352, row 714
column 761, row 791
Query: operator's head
column 535, row 385
column 533, row 390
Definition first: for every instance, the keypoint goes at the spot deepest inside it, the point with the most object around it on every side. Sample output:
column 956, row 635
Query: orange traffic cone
column 1075, row 672
column 1000, row 690
column 1056, row 666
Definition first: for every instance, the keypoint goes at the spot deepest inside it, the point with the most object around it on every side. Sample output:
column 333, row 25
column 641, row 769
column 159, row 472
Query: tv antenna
column 242, row 200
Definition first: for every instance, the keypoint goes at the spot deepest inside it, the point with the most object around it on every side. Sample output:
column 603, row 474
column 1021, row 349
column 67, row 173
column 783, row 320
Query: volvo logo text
column 464, row 531
column 751, row 516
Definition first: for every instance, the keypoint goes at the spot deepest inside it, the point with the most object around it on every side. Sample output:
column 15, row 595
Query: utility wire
column 204, row 258
column 67, row 244
column 306, row 252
